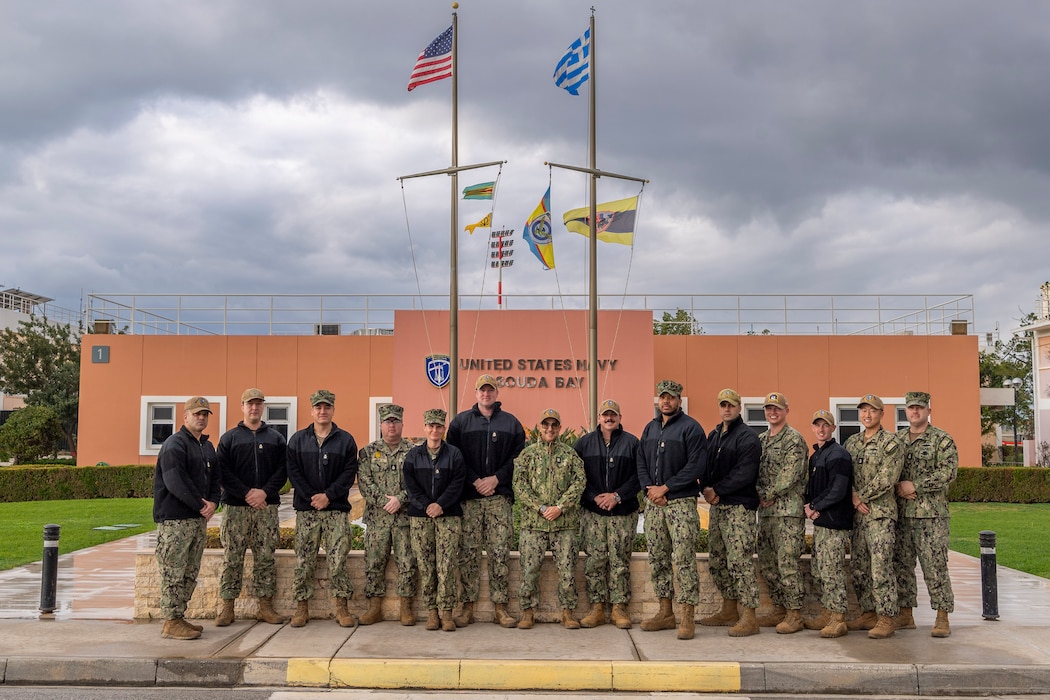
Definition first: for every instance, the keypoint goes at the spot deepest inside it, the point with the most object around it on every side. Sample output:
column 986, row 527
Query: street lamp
column 1014, row 384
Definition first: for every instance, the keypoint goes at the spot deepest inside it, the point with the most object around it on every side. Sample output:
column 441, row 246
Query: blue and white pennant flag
column 574, row 68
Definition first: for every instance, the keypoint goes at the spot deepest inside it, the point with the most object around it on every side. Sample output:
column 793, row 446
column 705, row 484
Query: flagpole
column 453, row 290
column 592, row 337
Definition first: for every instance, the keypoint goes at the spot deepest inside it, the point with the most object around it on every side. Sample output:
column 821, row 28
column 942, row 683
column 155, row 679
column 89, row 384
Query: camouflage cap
column 434, row 416
column 872, row 400
column 549, row 414
column 322, row 396
column 391, row 411
column 253, row 393
column 729, row 395
column 609, row 405
column 669, row 386
column 824, row 415
column 486, row 379
column 777, row 399
column 197, row 404
column 917, row 398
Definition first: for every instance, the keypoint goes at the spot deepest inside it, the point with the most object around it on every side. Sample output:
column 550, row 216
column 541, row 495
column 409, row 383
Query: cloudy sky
column 254, row 146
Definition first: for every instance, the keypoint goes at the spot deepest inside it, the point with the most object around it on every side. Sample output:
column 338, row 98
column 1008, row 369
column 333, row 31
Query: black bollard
column 49, row 570
column 989, row 582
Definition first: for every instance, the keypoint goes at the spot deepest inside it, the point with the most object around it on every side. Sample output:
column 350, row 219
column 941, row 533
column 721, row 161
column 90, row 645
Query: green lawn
column 22, row 539
column 1021, row 532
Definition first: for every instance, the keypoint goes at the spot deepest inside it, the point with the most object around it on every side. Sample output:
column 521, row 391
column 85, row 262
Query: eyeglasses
column 549, row 426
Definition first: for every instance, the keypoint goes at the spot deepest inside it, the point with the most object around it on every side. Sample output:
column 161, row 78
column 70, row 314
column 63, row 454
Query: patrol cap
column 824, row 415
column 609, row 405
column 917, row 398
column 253, row 393
column 777, row 399
column 486, row 379
column 198, row 404
column 549, row 414
column 391, row 411
column 322, row 396
column 434, row 416
column 872, row 400
column 730, row 396
column 669, row 386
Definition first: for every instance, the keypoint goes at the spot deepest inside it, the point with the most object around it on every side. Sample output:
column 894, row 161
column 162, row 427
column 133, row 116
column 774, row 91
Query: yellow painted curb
column 311, row 672
column 432, row 674
column 676, row 676
column 493, row 674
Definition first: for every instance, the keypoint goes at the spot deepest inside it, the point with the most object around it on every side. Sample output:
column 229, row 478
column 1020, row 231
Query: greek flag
column 574, row 68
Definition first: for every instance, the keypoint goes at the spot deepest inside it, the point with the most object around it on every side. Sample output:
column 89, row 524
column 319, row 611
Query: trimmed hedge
column 59, row 483
column 1001, row 485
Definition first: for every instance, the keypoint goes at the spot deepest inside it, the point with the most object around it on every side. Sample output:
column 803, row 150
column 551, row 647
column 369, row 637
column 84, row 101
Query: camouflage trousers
column 672, row 533
column 927, row 540
column 244, row 527
column 314, row 529
column 829, row 567
column 608, row 541
column 384, row 535
column 871, row 564
column 488, row 521
column 781, row 541
column 435, row 544
column 180, row 544
column 565, row 546
column 731, row 553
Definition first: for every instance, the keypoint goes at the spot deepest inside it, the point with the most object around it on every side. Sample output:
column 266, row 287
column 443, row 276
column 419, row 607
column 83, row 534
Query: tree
column 680, row 323
column 30, row 433
column 42, row 361
column 1007, row 360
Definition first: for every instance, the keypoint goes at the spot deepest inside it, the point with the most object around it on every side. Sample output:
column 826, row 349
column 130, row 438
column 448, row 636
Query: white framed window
column 374, row 402
column 161, row 416
column 902, row 418
column 279, row 413
column 848, row 415
column 754, row 413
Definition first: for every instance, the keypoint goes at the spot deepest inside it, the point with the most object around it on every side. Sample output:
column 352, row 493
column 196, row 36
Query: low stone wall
column 644, row 602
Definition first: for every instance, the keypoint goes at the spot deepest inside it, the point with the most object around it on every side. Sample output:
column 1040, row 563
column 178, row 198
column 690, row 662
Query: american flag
column 434, row 63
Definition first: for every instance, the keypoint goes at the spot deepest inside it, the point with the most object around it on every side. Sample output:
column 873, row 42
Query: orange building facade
column 133, row 386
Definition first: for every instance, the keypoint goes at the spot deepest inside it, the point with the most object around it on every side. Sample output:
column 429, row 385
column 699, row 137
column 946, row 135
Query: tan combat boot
column 836, row 626
column 527, row 620
column 662, row 620
column 447, row 623
column 620, row 618
column 343, row 616
column 687, row 627
column 791, row 623
column 268, row 614
column 374, row 613
column 883, row 629
column 466, row 615
column 940, row 626
column 904, row 620
column 503, row 618
column 177, row 629
column 866, row 621
column 302, row 614
column 772, row 619
column 820, row 621
column 568, row 621
column 225, row 616
column 407, row 615
column 746, row 626
column 726, row 617
column 433, row 623
column 198, row 628
column 595, row 617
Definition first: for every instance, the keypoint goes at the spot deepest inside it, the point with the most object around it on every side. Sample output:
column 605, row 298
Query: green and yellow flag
column 482, row 190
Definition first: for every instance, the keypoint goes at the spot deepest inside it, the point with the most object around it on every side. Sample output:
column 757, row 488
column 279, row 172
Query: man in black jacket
column 252, row 459
column 609, row 519
column 733, row 455
column 322, row 466
column 671, row 460
column 185, row 493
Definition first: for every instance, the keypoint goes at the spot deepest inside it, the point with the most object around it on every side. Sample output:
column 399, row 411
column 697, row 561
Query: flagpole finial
column 455, row 6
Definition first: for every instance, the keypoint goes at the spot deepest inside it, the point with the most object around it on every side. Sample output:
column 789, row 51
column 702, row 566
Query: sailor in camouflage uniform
column 381, row 482
column 878, row 457
column 781, row 518
column 931, row 463
column 548, row 482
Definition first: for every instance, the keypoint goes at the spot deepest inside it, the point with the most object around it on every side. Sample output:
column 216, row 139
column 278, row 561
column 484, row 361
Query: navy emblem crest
column 439, row 369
